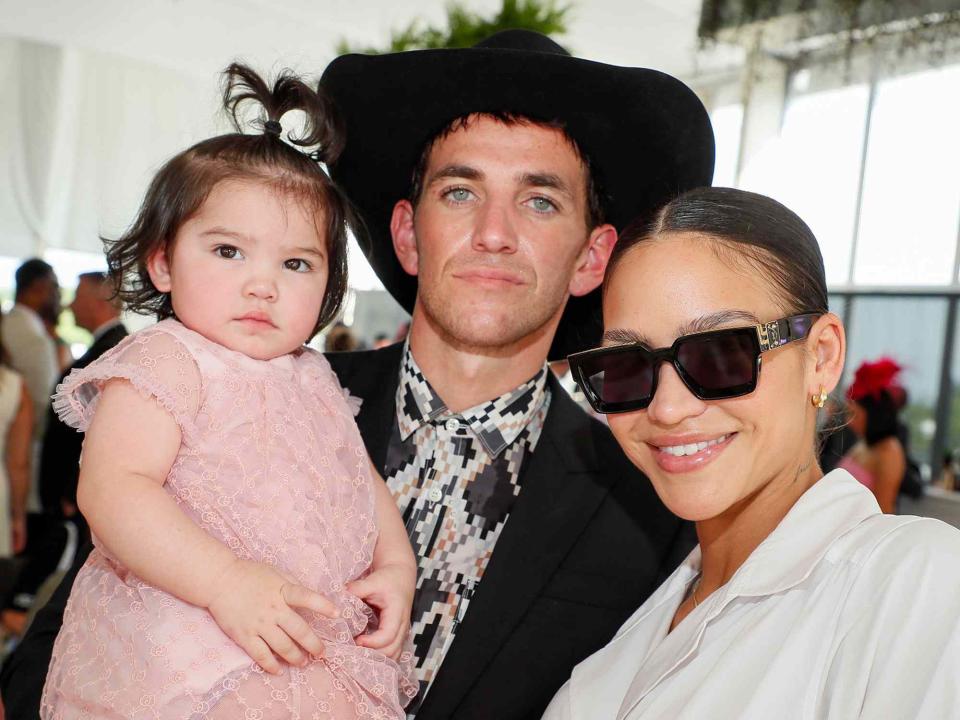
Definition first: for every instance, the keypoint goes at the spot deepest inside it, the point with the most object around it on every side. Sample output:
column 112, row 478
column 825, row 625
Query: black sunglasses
column 716, row 364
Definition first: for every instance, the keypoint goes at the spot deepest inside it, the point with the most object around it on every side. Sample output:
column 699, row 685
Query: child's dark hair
column 184, row 182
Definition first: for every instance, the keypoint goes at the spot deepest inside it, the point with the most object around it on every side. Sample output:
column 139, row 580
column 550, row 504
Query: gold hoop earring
column 818, row 400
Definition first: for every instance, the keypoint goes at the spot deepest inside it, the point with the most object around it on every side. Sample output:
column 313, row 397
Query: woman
column 802, row 600
column 16, row 426
column 877, row 459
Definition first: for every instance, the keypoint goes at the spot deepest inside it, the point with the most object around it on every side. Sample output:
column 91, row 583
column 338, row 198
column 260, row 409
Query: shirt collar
column 496, row 423
column 835, row 505
column 105, row 328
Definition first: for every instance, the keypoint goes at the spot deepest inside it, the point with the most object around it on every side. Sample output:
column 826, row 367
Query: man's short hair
column 102, row 280
column 595, row 214
column 30, row 272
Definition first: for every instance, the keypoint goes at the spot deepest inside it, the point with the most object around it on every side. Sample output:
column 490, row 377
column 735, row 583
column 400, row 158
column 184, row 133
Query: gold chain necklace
column 696, row 586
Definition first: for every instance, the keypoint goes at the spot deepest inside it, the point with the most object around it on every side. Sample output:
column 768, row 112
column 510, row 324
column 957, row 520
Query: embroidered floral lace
column 272, row 465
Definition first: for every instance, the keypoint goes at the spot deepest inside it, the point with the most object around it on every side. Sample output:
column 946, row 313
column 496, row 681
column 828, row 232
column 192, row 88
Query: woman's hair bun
column 323, row 127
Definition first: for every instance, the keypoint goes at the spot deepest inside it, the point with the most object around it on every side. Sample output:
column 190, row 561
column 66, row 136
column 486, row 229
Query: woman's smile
column 680, row 454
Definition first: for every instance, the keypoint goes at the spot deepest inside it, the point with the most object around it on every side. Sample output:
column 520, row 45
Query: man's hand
column 389, row 590
column 254, row 607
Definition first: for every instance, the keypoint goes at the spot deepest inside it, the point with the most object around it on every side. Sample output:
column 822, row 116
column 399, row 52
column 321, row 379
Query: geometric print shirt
column 455, row 477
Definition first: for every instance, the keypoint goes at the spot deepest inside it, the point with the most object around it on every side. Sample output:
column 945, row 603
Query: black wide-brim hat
column 646, row 135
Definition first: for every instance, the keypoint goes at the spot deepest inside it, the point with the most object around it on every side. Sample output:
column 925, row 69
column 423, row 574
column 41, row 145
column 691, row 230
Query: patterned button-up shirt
column 455, row 477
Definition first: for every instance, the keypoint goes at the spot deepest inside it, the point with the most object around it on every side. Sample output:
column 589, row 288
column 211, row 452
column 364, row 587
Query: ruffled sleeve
column 154, row 361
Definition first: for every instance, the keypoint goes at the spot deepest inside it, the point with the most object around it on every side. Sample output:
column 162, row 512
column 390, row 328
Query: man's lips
column 490, row 275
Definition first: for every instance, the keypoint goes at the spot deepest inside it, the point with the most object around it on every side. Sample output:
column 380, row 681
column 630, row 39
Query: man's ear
column 404, row 237
column 592, row 263
column 158, row 267
column 827, row 345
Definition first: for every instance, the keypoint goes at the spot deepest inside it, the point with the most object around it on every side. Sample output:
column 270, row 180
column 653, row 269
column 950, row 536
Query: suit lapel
column 562, row 488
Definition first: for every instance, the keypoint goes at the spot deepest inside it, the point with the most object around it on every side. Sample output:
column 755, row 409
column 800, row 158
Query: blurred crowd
column 40, row 528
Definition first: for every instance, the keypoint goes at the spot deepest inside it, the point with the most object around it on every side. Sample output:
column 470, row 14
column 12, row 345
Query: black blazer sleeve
column 25, row 671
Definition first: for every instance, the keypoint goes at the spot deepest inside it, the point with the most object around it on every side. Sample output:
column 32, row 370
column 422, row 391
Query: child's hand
column 254, row 607
column 389, row 589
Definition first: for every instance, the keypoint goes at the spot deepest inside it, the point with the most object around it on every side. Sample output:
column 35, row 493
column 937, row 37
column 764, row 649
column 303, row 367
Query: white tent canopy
column 98, row 94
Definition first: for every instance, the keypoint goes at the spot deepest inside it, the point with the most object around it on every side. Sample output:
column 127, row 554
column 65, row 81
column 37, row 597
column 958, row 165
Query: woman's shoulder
column 895, row 546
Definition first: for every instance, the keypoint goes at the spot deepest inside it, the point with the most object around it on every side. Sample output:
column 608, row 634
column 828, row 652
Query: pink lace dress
column 272, row 465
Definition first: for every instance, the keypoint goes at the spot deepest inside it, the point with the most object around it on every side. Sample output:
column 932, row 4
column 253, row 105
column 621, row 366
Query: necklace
column 696, row 586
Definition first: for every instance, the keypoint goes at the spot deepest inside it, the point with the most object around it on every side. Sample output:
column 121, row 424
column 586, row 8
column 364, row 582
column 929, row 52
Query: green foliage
column 466, row 28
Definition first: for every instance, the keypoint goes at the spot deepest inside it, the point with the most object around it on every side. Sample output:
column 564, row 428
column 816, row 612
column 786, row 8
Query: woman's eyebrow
column 711, row 321
column 715, row 320
column 622, row 336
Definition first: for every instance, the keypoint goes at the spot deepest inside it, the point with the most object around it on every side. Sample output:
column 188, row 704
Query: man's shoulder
column 370, row 363
column 22, row 319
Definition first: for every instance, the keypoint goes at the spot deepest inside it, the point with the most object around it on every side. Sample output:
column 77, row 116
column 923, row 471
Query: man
column 96, row 311
column 61, row 530
column 31, row 350
column 535, row 537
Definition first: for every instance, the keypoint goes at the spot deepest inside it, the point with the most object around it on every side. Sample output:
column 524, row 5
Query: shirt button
column 435, row 495
column 452, row 425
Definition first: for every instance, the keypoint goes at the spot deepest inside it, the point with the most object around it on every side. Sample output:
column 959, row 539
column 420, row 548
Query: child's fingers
column 298, row 596
column 296, row 627
column 282, row 645
column 386, row 634
column 363, row 587
column 260, row 653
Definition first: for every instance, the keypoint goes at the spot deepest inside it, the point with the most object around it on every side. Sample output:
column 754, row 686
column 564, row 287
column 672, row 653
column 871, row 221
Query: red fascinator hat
column 873, row 377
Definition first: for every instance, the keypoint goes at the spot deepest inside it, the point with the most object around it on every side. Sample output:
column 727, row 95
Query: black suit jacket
column 586, row 543
column 60, row 452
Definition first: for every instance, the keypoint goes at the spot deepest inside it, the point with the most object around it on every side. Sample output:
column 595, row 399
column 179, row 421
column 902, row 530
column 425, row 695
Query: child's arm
column 393, row 578
column 128, row 451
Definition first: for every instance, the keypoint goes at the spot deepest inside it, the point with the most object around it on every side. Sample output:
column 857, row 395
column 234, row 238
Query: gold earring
column 819, row 399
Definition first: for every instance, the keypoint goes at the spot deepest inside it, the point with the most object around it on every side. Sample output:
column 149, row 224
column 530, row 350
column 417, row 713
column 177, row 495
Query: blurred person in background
column 56, row 535
column 95, row 310
column 878, row 459
column 51, row 318
column 16, row 427
column 340, row 339
column 30, row 349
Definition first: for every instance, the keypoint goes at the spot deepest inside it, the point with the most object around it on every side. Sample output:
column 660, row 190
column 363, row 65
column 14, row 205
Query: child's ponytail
column 323, row 125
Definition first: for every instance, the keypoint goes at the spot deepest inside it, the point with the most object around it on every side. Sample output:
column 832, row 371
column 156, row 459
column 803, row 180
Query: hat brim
column 647, row 137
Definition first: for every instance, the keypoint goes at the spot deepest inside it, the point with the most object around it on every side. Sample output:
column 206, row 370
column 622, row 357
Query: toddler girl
column 223, row 476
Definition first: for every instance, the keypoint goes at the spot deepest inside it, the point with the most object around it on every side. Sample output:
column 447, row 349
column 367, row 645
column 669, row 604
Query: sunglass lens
column 620, row 377
column 721, row 365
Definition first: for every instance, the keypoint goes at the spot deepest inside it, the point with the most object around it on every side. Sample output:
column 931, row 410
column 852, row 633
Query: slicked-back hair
column 183, row 184
column 594, row 197
column 743, row 226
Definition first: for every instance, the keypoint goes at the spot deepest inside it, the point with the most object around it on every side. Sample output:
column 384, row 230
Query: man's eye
column 297, row 265
column 542, row 205
column 227, row 251
column 458, row 194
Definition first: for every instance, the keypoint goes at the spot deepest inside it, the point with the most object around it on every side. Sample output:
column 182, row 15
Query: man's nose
column 494, row 231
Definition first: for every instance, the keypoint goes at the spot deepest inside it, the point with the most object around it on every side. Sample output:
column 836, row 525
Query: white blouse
column 841, row 612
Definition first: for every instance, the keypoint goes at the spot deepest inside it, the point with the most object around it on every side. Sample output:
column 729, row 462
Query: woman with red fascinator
column 878, row 460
